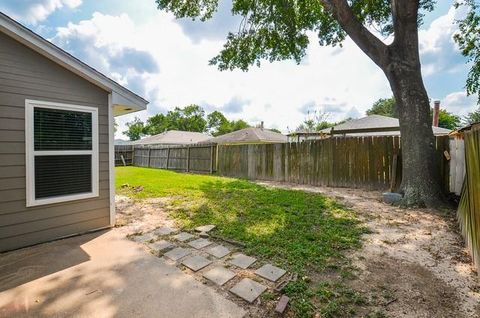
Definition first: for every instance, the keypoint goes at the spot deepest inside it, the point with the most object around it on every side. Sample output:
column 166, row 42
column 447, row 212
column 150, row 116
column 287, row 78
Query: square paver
column 177, row 253
column 196, row 262
column 199, row 243
column 205, row 228
column 270, row 272
column 144, row 238
column 242, row 261
column 161, row 245
column 248, row 289
column 183, row 236
column 218, row 251
column 219, row 275
column 164, row 230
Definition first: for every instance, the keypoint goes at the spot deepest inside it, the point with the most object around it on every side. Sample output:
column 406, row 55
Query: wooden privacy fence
column 357, row 162
column 123, row 155
column 469, row 207
column 194, row 158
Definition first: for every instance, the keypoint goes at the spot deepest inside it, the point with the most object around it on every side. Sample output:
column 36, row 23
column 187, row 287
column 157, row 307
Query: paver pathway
column 215, row 263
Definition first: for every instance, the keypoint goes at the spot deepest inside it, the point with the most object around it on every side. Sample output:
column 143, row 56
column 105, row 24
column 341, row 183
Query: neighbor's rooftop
column 250, row 135
column 173, row 137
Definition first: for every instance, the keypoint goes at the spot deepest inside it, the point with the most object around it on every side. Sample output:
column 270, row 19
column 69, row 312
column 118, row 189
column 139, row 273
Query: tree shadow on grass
column 294, row 229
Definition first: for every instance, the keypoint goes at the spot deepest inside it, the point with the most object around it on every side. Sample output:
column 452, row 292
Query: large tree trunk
column 400, row 61
column 420, row 175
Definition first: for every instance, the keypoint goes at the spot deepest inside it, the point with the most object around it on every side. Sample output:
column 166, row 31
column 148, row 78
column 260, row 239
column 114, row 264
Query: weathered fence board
column 194, row 158
column 123, row 155
column 357, row 162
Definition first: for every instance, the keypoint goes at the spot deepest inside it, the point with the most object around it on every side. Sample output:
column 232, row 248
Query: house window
column 61, row 152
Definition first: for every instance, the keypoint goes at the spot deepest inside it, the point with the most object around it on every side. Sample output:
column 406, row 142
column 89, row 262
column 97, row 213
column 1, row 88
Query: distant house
column 173, row 138
column 249, row 136
column 373, row 125
column 57, row 140
column 122, row 142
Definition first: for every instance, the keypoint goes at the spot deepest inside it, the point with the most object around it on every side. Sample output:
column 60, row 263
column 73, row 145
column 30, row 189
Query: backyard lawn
column 306, row 233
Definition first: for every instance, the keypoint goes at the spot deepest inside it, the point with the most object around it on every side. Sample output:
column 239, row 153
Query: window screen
column 62, row 175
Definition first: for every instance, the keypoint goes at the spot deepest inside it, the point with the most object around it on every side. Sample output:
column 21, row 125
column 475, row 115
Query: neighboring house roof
column 250, row 135
column 122, row 142
column 123, row 100
column 382, row 123
column 174, row 137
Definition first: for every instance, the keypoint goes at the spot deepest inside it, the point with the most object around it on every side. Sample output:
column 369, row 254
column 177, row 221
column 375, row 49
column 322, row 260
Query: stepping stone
column 218, row 251
column 183, row 236
column 205, row 228
column 144, row 238
column 177, row 253
column 270, row 272
column 242, row 261
column 161, row 245
column 164, row 230
column 219, row 275
column 199, row 243
column 248, row 289
column 196, row 262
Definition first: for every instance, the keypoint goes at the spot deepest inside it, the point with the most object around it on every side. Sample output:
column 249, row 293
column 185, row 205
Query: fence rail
column 357, row 162
column 194, row 158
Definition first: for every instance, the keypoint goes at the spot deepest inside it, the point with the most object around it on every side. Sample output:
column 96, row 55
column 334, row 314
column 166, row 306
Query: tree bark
column 421, row 184
column 420, row 174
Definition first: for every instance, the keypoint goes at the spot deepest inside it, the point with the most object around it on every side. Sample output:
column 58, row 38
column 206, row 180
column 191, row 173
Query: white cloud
column 34, row 11
column 438, row 50
column 459, row 103
column 349, row 79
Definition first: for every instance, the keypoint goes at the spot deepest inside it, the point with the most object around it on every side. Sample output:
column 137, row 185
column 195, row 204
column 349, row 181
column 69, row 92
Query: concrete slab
column 219, row 275
column 196, row 263
column 242, row 260
column 270, row 272
column 199, row 243
column 164, row 230
column 183, row 236
column 105, row 275
column 160, row 246
column 177, row 253
column 205, row 228
column 248, row 289
column 218, row 251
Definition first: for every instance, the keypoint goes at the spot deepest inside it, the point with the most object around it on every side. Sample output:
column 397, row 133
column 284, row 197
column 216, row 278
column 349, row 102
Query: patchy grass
column 306, row 233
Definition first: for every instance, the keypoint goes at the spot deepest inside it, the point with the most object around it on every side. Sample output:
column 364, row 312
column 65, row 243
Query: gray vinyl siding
column 25, row 74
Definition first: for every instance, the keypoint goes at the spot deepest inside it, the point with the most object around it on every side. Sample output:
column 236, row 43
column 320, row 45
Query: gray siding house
column 56, row 140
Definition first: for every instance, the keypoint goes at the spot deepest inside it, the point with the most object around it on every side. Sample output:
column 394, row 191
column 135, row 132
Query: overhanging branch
column 365, row 40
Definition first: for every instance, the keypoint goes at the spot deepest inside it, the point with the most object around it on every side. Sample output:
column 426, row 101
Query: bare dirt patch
column 413, row 263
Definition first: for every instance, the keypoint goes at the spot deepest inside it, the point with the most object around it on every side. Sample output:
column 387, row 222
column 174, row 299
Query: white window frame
column 30, row 152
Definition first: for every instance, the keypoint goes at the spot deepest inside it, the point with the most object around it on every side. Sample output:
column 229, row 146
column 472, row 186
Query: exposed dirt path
column 414, row 263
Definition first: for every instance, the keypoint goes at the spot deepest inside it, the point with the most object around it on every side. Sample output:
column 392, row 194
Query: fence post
column 211, row 159
column 168, row 156
column 149, row 153
column 188, row 158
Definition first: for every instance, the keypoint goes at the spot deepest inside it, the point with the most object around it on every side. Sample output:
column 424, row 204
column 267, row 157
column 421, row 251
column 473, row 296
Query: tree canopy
column 448, row 120
column 384, row 107
column 188, row 118
column 472, row 118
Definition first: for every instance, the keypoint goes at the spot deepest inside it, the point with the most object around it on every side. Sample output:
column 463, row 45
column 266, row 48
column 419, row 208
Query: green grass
column 306, row 233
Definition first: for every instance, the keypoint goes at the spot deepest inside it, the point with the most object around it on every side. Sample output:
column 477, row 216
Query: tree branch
column 366, row 41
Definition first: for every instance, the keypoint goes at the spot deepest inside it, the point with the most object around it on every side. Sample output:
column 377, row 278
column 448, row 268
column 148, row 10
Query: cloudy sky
column 166, row 61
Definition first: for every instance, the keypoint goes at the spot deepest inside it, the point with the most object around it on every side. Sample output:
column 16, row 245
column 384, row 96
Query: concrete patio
column 102, row 274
